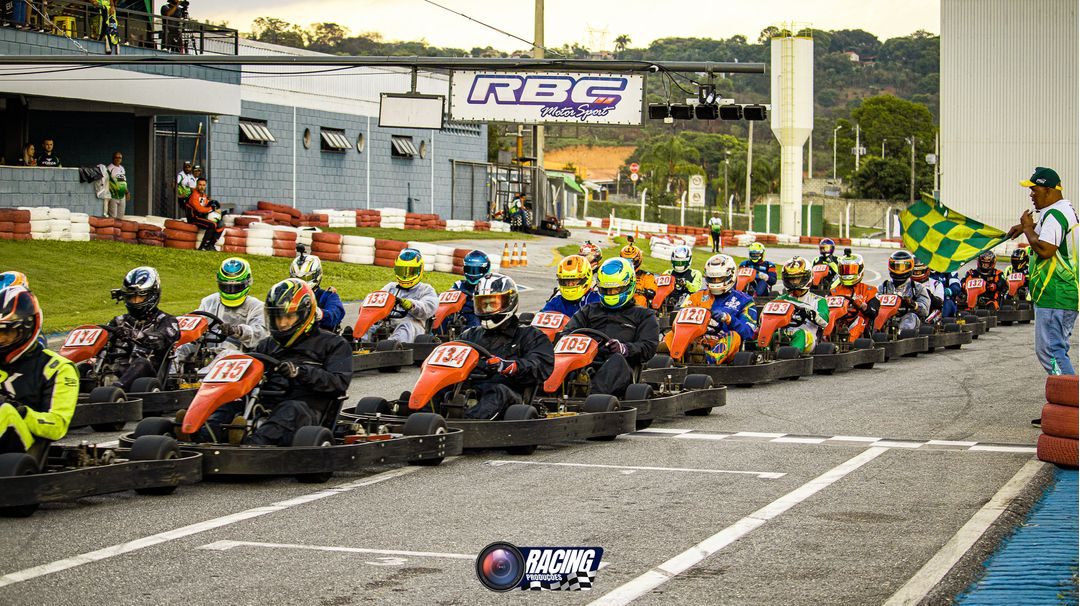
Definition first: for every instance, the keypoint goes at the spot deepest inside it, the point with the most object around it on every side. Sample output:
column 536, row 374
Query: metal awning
column 403, row 146
column 567, row 178
column 255, row 132
column 335, row 139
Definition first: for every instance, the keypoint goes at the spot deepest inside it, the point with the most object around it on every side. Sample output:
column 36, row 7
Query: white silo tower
column 792, row 115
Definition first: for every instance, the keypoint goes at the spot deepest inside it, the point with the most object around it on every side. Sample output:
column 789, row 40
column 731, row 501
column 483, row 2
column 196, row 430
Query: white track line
column 635, row 588
column 763, row 475
column 186, row 531
column 916, row 589
column 227, row 545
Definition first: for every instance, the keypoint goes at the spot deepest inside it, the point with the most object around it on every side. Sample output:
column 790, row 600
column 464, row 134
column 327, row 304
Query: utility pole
column 911, row 192
column 834, row 131
column 857, row 148
column 538, row 130
column 727, row 161
column 937, row 163
column 810, row 157
column 749, row 162
column 883, row 148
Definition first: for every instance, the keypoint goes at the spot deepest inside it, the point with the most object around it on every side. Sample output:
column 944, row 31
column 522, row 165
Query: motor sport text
column 559, row 96
column 553, row 564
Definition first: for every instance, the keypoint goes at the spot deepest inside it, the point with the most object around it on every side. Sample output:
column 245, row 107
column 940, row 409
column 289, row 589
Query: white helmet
column 681, row 258
column 308, row 268
column 720, row 274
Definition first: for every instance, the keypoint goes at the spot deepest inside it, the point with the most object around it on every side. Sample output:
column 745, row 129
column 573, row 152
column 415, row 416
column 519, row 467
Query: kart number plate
column 548, row 320
column 83, row 337
column 451, row 356
column 821, row 269
column 889, row 300
column 836, row 301
column 691, row 315
column 976, row 283
column 187, row 323
column 377, row 299
column 1016, row 277
column 776, row 307
column 450, row 296
column 664, row 280
column 747, row 271
column 573, row 345
column 228, row 370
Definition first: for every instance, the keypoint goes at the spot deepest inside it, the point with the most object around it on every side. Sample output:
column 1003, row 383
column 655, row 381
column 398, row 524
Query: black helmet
column 141, row 292
column 290, row 311
column 495, row 300
column 987, row 261
column 1019, row 260
column 20, row 322
column 901, row 264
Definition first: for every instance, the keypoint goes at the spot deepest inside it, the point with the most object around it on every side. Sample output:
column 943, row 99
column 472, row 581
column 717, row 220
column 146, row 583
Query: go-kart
column 100, row 406
column 1013, row 307
column 550, row 323
column 745, row 281
column 316, row 451
column 887, row 334
column 153, row 465
column 380, row 352
column 978, row 302
column 662, row 302
column 550, row 226
column 446, row 386
column 819, row 280
column 948, row 335
column 659, row 397
column 845, row 347
column 448, row 322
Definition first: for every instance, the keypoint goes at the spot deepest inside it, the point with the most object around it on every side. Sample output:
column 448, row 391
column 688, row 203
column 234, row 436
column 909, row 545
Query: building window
column 461, row 128
column 402, row 147
column 255, row 132
column 333, row 140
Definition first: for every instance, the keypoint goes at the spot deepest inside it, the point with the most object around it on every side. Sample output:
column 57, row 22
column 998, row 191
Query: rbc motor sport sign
column 536, row 98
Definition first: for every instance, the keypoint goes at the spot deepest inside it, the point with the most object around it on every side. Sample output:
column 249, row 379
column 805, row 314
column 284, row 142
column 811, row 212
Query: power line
column 489, row 26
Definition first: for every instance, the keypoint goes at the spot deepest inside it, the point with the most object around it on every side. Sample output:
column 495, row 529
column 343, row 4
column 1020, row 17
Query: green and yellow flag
column 943, row 238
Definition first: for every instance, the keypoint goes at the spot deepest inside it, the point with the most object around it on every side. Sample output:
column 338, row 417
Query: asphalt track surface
column 825, row 490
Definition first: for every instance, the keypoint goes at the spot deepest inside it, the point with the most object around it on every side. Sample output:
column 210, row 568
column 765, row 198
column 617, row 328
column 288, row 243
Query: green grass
column 649, row 263
column 427, row 235
column 72, row 280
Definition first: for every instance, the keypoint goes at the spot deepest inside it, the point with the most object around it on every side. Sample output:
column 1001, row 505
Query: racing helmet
column 307, row 268
column 141, row 292
column 592, row 254
column 20, row 322
column 477, row 265
column 1019, row 260
column 797, row 275
column 827, row 247
column 234, row 281
column 901, row 264
column 756, row 252
column 921, row 272
column 681, row 257
column 720, row 274
column 290, row 311
column 13, row 278
column 574, row 276
column 633, row 254
column 408, row 268
column 495, row 300
column 850, row 269
column 617, row 283
column 987, row 262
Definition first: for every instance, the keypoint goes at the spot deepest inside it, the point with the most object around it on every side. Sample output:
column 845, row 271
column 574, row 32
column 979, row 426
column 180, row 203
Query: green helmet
column 234, row 281
column 616, row 282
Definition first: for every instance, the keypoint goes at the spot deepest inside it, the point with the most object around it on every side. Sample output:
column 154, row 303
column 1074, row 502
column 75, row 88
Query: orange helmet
column 633, row 254
column 592, row 253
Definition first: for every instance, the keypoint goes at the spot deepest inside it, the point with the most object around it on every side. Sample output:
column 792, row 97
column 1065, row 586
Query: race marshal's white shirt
column 716, row 223
column 1050, row 231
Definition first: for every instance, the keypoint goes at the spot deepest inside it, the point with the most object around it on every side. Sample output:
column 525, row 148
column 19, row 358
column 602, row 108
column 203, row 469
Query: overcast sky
column 568, row 21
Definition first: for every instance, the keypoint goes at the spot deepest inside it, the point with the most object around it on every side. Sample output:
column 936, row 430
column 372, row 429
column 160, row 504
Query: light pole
column 858, row 148
column 727, row 161
column 834, row 150
column 749, row 162
column 883, row 148
column 911, row 192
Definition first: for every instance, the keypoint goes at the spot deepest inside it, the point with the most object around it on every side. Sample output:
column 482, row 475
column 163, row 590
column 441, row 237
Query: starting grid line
column 785, row 438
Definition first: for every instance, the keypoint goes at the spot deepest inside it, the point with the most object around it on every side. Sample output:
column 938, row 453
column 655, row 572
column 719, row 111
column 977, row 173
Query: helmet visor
column 233, row 287
column 571, row 282
column 407, row 272
column 847, row 270
column 901, row 267
column 612, row 290
column 486, row 305
column 719, row 284
column 797, row 281
column 135, row 298
column 283, row 321
column 9, row 333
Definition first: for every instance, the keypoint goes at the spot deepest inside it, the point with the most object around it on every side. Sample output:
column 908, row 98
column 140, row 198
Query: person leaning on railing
column 171, row 30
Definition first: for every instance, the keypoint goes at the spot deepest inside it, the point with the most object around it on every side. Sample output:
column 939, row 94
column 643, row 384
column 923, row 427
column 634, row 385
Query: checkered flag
column 582, row 580
column 944, row 239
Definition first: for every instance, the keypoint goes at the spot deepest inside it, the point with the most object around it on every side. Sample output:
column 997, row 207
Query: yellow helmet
column 575, row 277
column 850, row 269
column 797, row 275
column 408, row 268
column 633, row 254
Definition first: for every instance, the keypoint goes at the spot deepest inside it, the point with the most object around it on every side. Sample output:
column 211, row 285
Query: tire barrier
column 1060, row 421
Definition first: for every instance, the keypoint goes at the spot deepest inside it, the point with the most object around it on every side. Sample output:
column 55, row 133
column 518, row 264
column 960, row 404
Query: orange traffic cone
column 515, row 260
column 635, row 232
column 505, row 256
column 524, row 256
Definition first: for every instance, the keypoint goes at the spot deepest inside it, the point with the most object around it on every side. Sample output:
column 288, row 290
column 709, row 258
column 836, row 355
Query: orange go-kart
column 551, row 323
column 745, row 278
column 447, row 385
column 377, row 351
column 449, row 323
column 1014, row 304
column 316, row 451
column 845, row 347
column 887, row 333
column 819, row 280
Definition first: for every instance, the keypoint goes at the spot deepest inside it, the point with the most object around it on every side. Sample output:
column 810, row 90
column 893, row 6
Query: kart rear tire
column 1008, row 308
column 521, row 412
column 526, row 318
column 111, row 395
column 908, row 333
column 154, row 426
column 370, row 405
column 926, row 330
column 145, row 385
column 659, row 361
column 863, row 343
column 824, row 349
column 388, row 345
column 982, row 313
column 425, row 339
column 952, row 327
column 880, row 337
column 697, row 382
column 425, row 424
column 17, row 464
column 639, row 391
column 309, row 436
column 155, row 448
column 743, row 358
column 788, row 352
column 600, row 403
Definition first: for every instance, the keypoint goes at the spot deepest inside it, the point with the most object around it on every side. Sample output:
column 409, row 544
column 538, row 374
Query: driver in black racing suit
column 522, row 356
column 141, row 339
column 632, row 330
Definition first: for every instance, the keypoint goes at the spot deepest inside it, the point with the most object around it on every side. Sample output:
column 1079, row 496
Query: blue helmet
column 616, row 282
column 477, row 266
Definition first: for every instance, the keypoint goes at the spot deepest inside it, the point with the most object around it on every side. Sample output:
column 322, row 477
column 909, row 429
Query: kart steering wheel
column 591, row 332
column 268, row 361
column 481, row 366
column 213, row 326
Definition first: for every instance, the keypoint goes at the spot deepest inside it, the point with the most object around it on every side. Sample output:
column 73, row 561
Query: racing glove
column 288, row 369
column 506, row 368
column 616, row 347
column 649, row 293
column 233, row 330
column 405, row 304
column 764, row 277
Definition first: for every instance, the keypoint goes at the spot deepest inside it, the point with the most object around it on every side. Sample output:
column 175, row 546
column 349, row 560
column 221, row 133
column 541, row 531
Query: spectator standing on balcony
column 118, row 187
column 48, row 158
column 28, row 156
column 171, row 39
